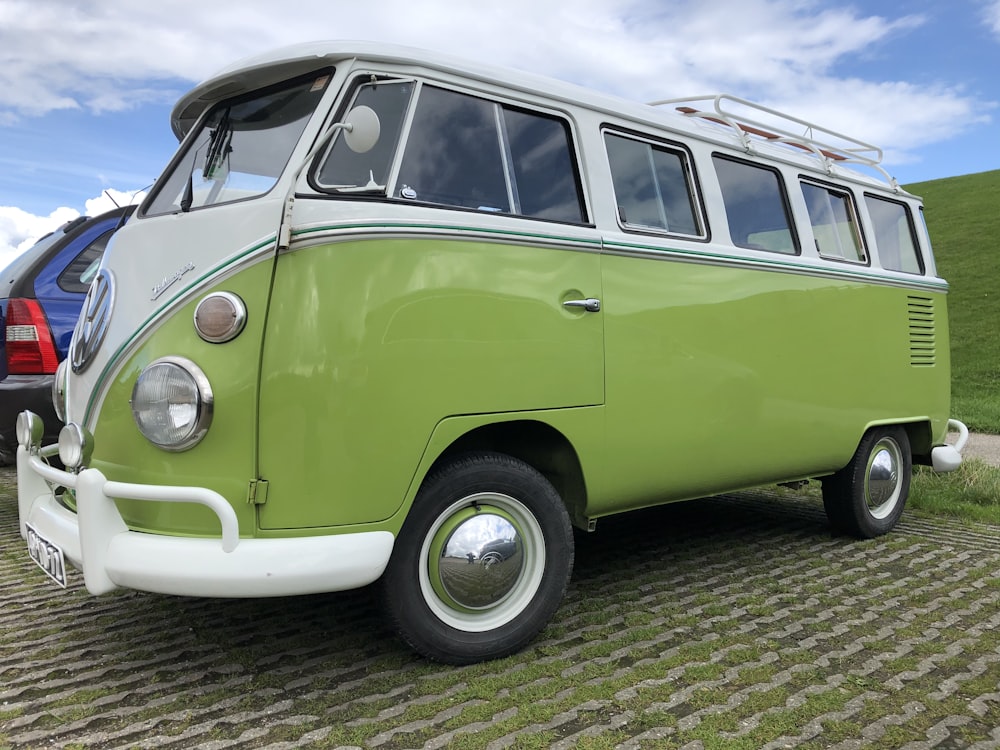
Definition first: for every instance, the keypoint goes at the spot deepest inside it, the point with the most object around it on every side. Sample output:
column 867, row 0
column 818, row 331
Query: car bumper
column 95, row 539
column 949, row 457
column 20, row 392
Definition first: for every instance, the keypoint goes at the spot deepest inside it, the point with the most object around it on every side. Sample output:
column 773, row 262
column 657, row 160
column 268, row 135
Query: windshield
column 240, row 148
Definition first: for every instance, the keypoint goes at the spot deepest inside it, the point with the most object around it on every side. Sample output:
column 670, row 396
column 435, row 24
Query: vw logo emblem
column 93, row 321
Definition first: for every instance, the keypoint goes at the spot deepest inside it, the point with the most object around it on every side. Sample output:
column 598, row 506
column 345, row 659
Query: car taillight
column 30, row 349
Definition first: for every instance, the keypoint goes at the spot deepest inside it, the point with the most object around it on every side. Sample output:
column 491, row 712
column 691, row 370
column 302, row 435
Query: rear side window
column 76, row 277
column 756, row 207
column 894, row 235
column 468, row 152
column 652, row 188
column 834, row 223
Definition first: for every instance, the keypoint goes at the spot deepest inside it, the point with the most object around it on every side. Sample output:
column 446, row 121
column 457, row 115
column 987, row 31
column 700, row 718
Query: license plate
column 48, row 556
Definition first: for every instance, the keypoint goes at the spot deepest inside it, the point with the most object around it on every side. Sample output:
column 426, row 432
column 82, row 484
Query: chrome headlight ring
column 59, row 390
column 172, row 403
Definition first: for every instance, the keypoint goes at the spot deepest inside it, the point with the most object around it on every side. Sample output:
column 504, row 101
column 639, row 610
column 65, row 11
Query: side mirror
column 361, row 130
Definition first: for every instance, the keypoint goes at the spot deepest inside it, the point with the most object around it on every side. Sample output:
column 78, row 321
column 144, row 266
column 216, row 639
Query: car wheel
column 866, row 497
column 482, row 560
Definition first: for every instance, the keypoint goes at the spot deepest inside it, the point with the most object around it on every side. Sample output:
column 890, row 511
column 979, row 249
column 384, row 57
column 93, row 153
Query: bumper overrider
column 96, row 540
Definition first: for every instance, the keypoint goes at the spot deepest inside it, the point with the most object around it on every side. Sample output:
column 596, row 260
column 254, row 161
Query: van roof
column 773, row 134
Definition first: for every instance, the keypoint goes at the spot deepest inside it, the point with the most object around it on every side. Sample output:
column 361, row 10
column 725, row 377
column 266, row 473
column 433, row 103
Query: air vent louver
column 920, row 312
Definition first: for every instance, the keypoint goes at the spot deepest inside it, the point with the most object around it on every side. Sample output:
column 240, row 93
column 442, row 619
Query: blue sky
column 86, row 87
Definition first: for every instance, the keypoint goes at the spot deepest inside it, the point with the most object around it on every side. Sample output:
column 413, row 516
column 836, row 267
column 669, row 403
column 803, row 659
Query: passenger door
column 470, row 286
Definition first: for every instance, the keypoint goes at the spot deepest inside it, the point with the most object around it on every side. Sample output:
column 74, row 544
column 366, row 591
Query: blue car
column 41, row 294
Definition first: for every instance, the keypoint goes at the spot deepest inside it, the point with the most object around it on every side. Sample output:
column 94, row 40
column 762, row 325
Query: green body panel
column 723, row 377
column 224, row 460
column 379, row 354
column 371, row 343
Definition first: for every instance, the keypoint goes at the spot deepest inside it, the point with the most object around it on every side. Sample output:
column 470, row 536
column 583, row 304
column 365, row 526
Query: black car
column 41, row 293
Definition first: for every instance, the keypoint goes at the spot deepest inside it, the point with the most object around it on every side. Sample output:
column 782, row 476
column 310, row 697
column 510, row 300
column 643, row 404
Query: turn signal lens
column 220, row 317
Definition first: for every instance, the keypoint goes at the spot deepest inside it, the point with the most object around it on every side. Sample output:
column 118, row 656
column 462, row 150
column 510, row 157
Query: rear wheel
column 866, row 497
column 481, row 562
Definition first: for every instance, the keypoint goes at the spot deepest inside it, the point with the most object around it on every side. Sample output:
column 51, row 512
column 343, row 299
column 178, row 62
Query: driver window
column 345, row 168
column 453, row 154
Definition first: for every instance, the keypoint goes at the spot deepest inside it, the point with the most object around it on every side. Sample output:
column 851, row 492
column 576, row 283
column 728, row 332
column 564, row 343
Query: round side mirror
column 362, row 129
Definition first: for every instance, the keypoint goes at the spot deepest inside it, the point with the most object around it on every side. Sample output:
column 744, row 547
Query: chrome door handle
column 590, row 304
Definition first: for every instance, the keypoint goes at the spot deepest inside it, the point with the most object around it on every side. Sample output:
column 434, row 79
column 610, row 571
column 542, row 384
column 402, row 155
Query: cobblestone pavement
column 734, row 622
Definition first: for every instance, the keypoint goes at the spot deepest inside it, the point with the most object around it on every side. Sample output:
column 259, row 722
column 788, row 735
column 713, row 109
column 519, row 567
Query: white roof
column 278, row 65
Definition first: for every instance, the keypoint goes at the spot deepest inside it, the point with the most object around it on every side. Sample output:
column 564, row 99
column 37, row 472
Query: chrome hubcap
column 481, row 560
column 882, row 482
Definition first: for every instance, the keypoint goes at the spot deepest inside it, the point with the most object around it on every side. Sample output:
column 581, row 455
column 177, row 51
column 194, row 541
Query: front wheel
column 866, row 497
column 481, row 562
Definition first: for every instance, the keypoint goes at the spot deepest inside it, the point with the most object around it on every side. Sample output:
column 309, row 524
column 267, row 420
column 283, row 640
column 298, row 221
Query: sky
column 87, row 86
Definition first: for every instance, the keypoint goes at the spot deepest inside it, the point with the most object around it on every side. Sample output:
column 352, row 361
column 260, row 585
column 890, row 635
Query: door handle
column 590, row 304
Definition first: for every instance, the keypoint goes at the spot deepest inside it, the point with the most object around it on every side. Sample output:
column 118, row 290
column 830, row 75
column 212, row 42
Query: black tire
column 457, row 599
column 866, row 498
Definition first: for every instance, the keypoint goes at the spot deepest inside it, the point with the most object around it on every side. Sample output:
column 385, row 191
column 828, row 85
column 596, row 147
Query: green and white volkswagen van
column 390, row 316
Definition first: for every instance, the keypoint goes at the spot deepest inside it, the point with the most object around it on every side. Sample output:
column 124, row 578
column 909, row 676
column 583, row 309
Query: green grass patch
column 972, row 492
column 962, row 218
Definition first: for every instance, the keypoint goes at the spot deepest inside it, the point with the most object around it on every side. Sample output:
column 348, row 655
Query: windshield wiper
column 188, row 198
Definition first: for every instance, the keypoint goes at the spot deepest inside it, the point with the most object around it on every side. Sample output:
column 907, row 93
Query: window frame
column 692, row 184
column 70, row 279
column 166, row 178
column 859, row 230
column 500, row 105
column 911, row 225
column 785, row 205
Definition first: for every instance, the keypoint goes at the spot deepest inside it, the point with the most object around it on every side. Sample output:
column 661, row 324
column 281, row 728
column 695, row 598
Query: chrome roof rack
column 829, row 146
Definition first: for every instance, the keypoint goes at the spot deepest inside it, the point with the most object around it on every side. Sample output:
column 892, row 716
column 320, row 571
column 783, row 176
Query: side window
column 834, row 223
column 651, row 184
column 76, row 277
column 453, row 153
column 894, row 235
column 349, row 171
column 545, row 176
column 472, row 153
column 755, row 206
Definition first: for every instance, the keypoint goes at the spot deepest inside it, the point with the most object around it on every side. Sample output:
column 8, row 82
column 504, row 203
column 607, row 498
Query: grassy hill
column 963, row 217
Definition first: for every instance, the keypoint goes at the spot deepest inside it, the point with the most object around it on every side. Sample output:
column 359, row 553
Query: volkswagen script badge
column 93, row 321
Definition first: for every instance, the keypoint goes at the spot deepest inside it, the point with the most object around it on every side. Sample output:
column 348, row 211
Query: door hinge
column 257, row 493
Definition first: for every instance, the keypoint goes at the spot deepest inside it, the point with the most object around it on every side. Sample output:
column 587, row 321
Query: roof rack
column 781, row 128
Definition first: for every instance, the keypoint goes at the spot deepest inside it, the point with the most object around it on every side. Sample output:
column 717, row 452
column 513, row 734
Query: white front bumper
column 97, row 541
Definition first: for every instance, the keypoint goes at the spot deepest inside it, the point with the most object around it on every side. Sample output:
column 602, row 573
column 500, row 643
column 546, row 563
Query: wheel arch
column 919, row 431
column 538, row 444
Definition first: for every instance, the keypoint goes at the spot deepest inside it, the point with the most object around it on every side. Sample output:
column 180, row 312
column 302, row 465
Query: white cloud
column 107, row 55
column 991, row 14
column 112, row 54
column 19, row 230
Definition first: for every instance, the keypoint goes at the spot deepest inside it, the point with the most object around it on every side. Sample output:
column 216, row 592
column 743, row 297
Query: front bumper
column 96, row 540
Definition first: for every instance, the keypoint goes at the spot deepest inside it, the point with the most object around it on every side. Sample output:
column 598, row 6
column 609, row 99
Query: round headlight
column 59, row 390
column 172, row 403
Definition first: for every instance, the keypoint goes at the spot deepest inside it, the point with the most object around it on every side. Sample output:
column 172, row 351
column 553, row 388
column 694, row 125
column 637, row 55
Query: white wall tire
column 481, row 562
column 866, row 498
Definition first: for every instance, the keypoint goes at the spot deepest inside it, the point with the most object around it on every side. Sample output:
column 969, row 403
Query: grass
column 972, row 492
column 964, row 225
